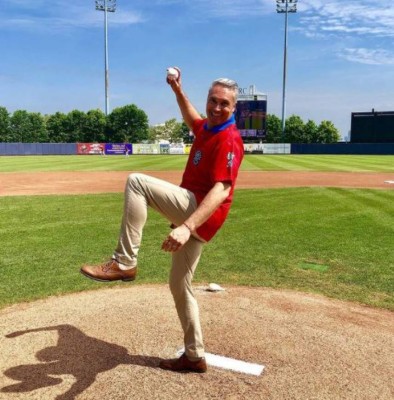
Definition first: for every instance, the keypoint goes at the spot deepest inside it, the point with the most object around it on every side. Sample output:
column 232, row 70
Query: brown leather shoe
column 108, row 272
column 183, row 364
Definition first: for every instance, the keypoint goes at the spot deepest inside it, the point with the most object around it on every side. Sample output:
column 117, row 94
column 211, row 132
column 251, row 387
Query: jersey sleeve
column 197, row 126
column 226, row 161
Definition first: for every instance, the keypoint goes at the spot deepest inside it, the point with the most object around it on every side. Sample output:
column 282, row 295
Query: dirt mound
column 106, row 344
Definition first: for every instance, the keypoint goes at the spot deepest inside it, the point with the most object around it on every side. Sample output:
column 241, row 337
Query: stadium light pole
column 106, row 6
column 285, row 7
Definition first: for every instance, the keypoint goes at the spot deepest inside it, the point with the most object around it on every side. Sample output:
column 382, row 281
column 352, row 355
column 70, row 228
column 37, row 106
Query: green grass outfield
column 332, row 241
column 346, row 163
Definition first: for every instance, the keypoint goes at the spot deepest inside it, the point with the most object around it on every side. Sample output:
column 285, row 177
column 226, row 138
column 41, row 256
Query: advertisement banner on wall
column 146, row 148
column 90, row 148
column 250, row 117
column 257, row 148
column 164, row 148
column 176, row 148
column 267, row 148
column 118, row 149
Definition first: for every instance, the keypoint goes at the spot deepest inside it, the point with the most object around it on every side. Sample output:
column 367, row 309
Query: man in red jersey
column 196, row 209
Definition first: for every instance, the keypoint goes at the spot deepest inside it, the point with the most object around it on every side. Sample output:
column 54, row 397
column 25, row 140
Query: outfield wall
column 35, row 149
column 343, row 148
column 25, row 149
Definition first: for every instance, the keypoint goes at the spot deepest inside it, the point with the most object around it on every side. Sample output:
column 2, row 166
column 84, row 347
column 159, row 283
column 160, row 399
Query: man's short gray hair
column 228, row 83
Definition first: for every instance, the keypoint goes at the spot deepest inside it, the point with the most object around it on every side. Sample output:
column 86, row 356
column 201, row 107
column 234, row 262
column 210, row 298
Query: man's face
column 220, row 105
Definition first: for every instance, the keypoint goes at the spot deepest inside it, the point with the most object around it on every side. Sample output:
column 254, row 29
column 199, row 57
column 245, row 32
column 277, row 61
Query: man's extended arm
column 189, row 113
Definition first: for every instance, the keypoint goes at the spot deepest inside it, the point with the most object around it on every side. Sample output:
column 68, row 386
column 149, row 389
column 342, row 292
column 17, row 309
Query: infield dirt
column 14, row 184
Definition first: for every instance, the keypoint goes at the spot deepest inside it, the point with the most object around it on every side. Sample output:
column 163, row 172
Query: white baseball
column 172, row 73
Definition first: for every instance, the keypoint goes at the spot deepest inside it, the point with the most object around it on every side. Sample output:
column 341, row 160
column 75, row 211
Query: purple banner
column 118, row 148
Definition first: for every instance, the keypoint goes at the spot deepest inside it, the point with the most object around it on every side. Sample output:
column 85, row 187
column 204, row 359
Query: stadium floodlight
column 106, row 6
column 285, row 7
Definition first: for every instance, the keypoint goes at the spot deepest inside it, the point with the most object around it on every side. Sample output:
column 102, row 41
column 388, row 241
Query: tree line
column 129, row 124
column 124, row 124
column 297, row 131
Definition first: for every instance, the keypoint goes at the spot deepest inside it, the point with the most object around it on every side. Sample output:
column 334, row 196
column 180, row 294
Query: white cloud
column 59, row 14
column 368, row 56
column 361, row 17
column 328, row 17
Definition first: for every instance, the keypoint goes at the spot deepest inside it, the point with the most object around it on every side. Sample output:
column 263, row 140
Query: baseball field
column 306, row 259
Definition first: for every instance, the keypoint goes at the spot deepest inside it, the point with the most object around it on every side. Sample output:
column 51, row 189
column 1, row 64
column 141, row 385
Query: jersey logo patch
column 230, row 158
column 197, row 157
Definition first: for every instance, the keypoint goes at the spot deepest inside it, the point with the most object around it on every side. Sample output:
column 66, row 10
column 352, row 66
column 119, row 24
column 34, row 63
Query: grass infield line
column 323, row 163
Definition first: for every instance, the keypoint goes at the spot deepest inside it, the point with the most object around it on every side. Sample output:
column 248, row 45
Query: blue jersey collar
column 219, row 128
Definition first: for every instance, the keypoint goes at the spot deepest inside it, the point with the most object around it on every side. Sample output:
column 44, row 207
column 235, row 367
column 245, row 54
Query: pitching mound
column 106, row 344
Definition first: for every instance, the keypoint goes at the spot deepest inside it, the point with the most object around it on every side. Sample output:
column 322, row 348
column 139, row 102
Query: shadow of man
column 75, row 354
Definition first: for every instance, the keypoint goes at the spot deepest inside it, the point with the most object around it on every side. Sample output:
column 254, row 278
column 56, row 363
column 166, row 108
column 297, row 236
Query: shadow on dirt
column 75, row 354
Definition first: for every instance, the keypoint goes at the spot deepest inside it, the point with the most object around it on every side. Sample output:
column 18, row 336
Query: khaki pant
column 176, row 204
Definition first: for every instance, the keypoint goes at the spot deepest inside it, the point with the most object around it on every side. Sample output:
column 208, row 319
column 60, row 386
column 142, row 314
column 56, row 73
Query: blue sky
column 340, row 55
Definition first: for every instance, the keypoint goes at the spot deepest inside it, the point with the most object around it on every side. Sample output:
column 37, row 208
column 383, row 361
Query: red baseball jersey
column 215, row 156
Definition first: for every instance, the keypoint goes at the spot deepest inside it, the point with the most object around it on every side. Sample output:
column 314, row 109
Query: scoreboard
column 372, row 127
column 251, row 112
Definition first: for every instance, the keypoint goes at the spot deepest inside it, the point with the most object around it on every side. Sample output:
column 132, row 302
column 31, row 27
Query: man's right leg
column 172, row 201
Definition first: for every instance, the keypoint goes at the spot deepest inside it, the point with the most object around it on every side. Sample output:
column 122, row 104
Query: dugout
column 372, row 127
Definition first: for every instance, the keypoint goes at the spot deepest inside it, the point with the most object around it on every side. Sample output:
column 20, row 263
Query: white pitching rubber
column 230, row 363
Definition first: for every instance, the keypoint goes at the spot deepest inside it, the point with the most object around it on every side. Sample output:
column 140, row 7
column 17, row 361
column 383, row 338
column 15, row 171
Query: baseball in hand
column 172, row 73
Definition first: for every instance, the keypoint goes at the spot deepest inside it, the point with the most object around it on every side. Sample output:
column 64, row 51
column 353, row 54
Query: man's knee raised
column 134, row 180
